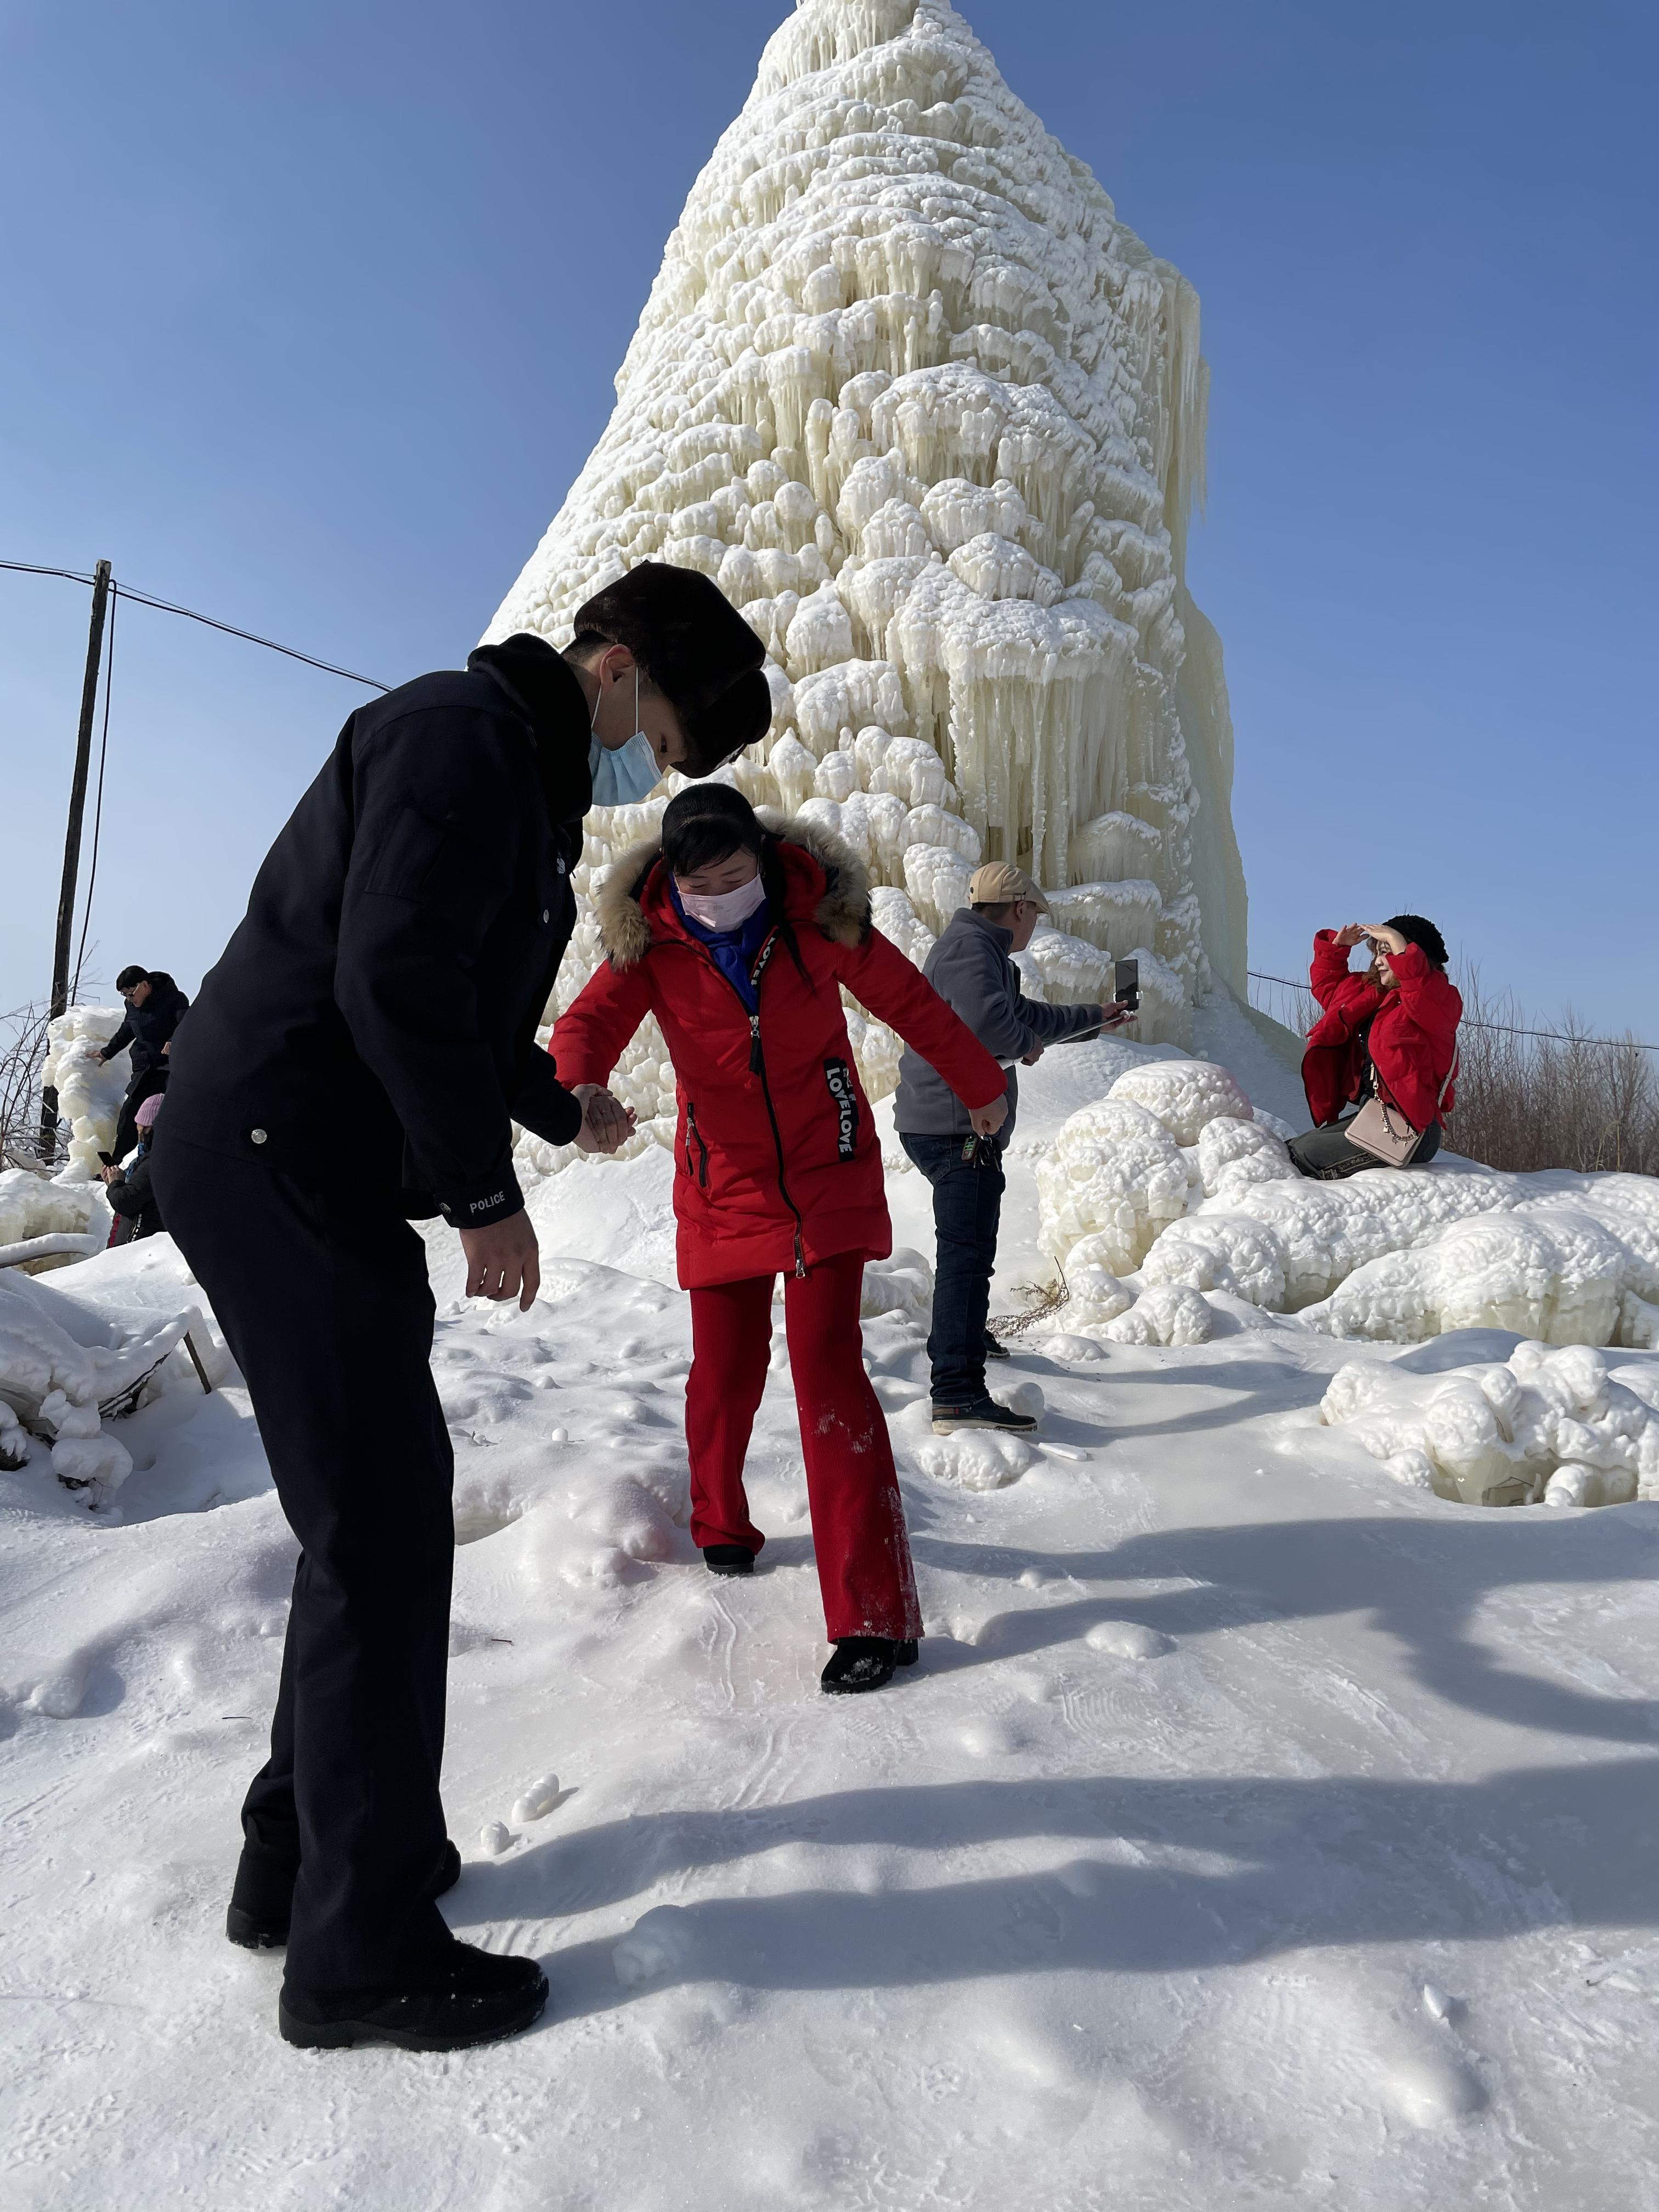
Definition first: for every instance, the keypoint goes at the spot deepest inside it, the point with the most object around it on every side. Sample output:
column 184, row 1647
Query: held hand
column 1032, row 1058
column 606, row 1123
column 502, row 1261
column 986, row 1120
column 1353, row 933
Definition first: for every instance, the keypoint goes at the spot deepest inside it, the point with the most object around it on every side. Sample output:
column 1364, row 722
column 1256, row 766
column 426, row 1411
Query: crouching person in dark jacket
column 131, row 1190
column 972, row 969
column 357, row 1058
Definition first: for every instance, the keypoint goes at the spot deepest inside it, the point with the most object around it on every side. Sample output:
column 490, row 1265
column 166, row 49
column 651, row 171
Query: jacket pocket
column 843, row 1096
column 696, row 1151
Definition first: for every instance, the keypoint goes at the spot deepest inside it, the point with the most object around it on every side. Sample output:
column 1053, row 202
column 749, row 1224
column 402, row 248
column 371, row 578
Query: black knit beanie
column 1423, row 935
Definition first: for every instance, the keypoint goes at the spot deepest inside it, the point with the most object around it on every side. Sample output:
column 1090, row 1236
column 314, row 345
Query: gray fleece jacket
column 972, row 970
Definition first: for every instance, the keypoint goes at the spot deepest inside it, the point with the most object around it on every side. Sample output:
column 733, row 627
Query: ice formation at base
column 933, row 418
column 1173, row 1182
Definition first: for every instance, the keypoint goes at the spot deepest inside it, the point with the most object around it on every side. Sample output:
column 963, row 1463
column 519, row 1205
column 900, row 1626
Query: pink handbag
column 1381, row 1129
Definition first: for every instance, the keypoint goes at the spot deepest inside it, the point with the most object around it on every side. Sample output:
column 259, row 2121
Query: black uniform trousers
column 324, row 1301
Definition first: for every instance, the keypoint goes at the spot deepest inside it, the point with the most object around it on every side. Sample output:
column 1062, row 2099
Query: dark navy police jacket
column 370, row 1028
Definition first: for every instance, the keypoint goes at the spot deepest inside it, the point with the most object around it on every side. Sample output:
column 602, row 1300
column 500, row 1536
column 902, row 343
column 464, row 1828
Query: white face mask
column 630, row 773
column 723, row 909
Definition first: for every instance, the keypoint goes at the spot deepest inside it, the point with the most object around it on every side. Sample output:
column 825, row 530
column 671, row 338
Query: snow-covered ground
column 1258, row 1828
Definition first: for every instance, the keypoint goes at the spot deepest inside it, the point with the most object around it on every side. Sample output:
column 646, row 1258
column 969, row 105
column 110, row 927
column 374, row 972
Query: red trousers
column 865, row 1573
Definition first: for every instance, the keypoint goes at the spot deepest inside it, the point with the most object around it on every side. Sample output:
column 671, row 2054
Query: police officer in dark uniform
column 354, row 1060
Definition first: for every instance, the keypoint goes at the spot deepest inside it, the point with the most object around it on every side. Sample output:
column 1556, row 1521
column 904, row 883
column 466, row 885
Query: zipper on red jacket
column 758, row 1067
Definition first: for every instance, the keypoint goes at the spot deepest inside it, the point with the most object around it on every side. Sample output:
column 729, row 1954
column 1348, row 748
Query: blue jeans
column 967, row 1208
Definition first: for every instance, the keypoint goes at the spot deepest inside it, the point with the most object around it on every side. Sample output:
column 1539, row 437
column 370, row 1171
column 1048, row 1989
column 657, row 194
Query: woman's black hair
column 1424, row 935
column 705, row 824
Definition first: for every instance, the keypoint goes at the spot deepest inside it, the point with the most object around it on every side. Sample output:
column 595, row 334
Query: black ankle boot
column 728, row 1558
column 262, row 1896
column 866, row 1662
column 473, row 1996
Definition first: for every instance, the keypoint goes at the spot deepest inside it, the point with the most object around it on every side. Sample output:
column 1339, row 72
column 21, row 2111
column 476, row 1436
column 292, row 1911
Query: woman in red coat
column 1389, row 1033
column 739, row 938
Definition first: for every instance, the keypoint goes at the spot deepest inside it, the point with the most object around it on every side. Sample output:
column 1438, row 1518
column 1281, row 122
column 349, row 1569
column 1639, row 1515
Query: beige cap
column 999, row 884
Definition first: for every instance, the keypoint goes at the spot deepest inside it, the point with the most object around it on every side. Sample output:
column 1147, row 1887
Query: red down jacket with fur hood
column 776, row 1159
column 1414, row 1037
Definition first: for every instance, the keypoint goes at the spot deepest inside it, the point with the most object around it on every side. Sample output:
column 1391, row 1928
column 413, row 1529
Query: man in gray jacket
column 972, row 969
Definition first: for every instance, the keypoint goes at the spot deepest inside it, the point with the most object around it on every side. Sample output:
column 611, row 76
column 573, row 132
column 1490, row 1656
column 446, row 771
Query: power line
column 1508, row 1029
column 212, row 622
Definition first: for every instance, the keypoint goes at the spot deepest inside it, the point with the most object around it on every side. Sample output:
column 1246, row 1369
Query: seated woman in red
column 738, row 939
column 1389, row 1033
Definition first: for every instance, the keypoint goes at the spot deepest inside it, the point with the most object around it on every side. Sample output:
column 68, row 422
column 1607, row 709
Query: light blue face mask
column 631, row 773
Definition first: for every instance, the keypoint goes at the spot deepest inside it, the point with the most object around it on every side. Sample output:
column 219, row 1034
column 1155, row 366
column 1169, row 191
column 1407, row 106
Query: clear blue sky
column 311, row 314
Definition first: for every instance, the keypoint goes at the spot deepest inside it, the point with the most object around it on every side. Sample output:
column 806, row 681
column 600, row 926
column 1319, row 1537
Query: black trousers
column 324, row 1302
column 1327, row 1156
column 967, row 1212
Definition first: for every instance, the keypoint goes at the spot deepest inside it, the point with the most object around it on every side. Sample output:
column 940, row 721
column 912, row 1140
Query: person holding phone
column 972, row 969
column 739, row 938
column 1387, row 1034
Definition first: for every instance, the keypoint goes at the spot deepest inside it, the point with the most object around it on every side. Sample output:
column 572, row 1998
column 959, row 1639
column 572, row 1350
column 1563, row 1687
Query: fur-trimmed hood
column 842, row 910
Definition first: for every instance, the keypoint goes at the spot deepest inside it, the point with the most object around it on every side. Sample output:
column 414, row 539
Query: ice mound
column 64, row 1367
column 1556, row 1275
column 1547, row 1425
column 41, row 1218
column 1187, row 1096
column 89, row 1091
column 1173, row 1180
column 933, row 417
column 1167, row 1313
column 1115, row 1177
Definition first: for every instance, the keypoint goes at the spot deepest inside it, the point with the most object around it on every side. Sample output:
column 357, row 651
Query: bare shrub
column 23, row 1053
column 1568, row 1100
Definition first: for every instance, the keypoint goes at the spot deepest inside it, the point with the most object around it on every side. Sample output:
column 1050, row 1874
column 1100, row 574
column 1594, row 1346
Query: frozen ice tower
column 933, row 417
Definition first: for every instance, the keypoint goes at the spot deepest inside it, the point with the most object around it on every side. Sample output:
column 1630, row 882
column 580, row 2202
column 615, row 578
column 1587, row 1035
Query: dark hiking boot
column 984, row 1414
column 728, row 1559
column 474, row 1997
column 262, row 1896
column 995, row 1348
column 865, row 1662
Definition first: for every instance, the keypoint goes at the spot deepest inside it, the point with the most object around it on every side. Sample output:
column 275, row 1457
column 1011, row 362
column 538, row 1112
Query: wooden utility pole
column 60, row 957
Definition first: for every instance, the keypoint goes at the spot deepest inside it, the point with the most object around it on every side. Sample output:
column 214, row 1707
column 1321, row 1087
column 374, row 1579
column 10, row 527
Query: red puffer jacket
column 1414, row 1038
column 776, row 1161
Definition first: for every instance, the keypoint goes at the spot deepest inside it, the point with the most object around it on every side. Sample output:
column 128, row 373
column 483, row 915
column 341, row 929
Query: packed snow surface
column 1263, row 1824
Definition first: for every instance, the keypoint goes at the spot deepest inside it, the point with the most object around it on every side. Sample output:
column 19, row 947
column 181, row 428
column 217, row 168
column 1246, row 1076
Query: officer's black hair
column 130, row 978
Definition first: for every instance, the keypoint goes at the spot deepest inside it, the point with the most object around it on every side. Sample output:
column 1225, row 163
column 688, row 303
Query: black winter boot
column 984, row 1414
column 262, row 1896
column 474, row 1997
column 995, row 1348
column 728, row 1559
column 866, row 1662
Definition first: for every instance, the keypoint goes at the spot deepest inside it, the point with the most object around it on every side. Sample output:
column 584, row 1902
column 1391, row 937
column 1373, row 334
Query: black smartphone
column 1126, row 985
